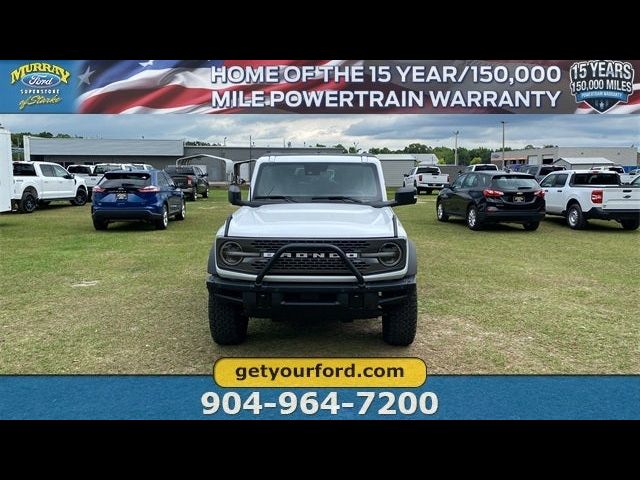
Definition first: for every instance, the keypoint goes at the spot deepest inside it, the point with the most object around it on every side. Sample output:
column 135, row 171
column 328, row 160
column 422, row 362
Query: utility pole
column 224, row 142
column 455, row 150
column 503, row 124
column 250, row 145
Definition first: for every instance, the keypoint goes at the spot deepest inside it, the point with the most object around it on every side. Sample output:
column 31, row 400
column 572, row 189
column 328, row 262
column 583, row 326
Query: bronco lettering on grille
column 310, row 255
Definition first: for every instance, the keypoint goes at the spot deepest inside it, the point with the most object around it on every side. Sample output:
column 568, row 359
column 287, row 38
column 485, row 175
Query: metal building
column 580, row 163
column 394, row 166
column 625, row 156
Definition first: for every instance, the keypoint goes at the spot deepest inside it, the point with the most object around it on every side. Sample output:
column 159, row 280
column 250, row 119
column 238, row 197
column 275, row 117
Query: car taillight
column 188, row 180
column 539, row 193
column 596, row 196
column 488, row 193
column 98, row 189
column 447, row 178
column 149, row 189
column 419, row 178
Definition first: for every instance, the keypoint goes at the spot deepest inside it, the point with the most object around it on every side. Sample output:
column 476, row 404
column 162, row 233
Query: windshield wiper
column 338, row 197
column 275, row 197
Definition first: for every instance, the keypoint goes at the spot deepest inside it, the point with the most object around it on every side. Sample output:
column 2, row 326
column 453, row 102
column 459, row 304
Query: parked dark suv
column 492, row 197
column 138, row 195
column 191, row 179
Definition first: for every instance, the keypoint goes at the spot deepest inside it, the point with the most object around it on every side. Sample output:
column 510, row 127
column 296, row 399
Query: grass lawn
column 133, row 300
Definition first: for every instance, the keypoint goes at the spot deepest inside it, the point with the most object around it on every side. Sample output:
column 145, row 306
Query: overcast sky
column 393, row 131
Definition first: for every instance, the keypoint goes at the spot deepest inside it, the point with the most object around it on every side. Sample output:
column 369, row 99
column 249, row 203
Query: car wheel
column 400, row 322
column 473, row 221
column 81, row 198
column 531, row 226
column 206, row 193
column 194, row 196
column 163, row 221
column 630, row 224
column 100, row 224
column 227, row 323
column 575, row 217
column 28, row 203
column 183, row 211
column 442, row 216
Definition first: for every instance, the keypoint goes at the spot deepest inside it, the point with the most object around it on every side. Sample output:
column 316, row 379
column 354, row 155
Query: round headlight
column 229, row 253
column 392, row 254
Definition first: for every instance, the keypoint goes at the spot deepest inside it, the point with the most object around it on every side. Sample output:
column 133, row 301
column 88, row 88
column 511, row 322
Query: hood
column 312, row 220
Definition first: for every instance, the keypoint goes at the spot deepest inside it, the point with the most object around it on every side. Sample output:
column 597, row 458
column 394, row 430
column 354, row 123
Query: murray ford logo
column 602, row 84
column 310, row 255
column 39, row 83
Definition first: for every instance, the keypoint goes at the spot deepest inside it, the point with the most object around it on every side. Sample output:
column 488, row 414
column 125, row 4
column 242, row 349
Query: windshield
column 124, row 178
column 480, row 168
column 547, row 170
column 79, row 169
column 595, row 179
column 172, row 169
column 303, row 181
column 432, row 170
column 514, row 182
column 107, row 168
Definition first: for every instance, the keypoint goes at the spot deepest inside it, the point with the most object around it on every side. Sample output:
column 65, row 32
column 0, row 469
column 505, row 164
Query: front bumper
column 126, row 214
column 601, row 214
column 341, row 300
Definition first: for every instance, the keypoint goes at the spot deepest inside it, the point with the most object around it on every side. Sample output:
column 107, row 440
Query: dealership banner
column 320, row 86
column 443, row 397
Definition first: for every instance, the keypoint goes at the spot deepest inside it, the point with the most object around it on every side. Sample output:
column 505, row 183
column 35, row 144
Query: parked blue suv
column 138, row 195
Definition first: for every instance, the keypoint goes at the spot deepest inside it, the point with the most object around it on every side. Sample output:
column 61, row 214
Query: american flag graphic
column 185, row 86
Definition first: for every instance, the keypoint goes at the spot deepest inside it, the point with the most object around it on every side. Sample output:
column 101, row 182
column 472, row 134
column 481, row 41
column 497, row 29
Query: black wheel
column 163, row 221
column 575, row 217
column 29, row 202
column 531, row 226
column 227, row 323
column 183, row 211
column 399, row 322
column 630, row 224
column 206, row 193
column 428, row 191
column 442, row 216
column 473, row 220
column 194, row 195
column 81, row 198
column 100, row 224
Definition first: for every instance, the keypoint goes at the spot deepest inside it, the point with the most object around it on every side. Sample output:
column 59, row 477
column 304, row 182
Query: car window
column 514, row 182
column 24, row 169
column 60, row 172
column 125, row 178
column 596, row 179
column 481, row 168
column 162, row 180
column 561, row 179
column 459, row 180
column 471, row 181
column 549, row 181
column 432, row 170
column 167, row 179
column 79, row 169
column 47, row 170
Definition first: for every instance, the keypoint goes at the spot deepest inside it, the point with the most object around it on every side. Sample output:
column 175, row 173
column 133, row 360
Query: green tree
column 417, row 148
column 475, row 161
column 318, row 145
column 341, row 147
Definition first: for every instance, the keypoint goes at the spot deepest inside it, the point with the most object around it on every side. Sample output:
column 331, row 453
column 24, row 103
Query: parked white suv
column 41, row 182
column 316, row 238
column 580, row 195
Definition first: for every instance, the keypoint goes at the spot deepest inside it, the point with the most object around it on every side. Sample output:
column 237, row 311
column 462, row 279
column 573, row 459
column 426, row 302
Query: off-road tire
column 575, row 217
column 206, row 193
column 163, row 222
column 400, row 322
column 531, row 226
column 630, row 224
column 81, row 198
column 29, row 202
column 227, row 323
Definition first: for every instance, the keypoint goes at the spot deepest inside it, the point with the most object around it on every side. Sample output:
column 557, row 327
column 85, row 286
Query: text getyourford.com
column 321, row 372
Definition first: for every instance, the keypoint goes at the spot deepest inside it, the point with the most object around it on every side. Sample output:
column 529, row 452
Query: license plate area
column 122, row 196
column 518, row 198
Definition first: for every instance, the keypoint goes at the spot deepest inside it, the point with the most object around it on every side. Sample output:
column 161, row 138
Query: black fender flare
column 412, row 258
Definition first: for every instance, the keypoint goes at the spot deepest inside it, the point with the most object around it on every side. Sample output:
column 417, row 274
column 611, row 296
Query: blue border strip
column 460, row 398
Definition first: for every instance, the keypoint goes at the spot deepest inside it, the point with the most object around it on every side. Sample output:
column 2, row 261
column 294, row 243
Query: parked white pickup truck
column 426, row 178
column 580, row 195
column 86, row 172
column 624, row 177
column 41, row 182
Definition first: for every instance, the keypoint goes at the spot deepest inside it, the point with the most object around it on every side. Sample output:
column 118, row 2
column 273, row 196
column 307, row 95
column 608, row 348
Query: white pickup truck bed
column 426, row 179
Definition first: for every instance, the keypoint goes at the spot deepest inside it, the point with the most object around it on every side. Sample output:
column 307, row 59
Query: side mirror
column 405, row 175
column 234, row 195
column 69, row 176
column 459, row 171
column 405, row 196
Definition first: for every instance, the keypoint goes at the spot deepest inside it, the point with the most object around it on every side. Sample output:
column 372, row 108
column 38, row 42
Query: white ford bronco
column 315, row 238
